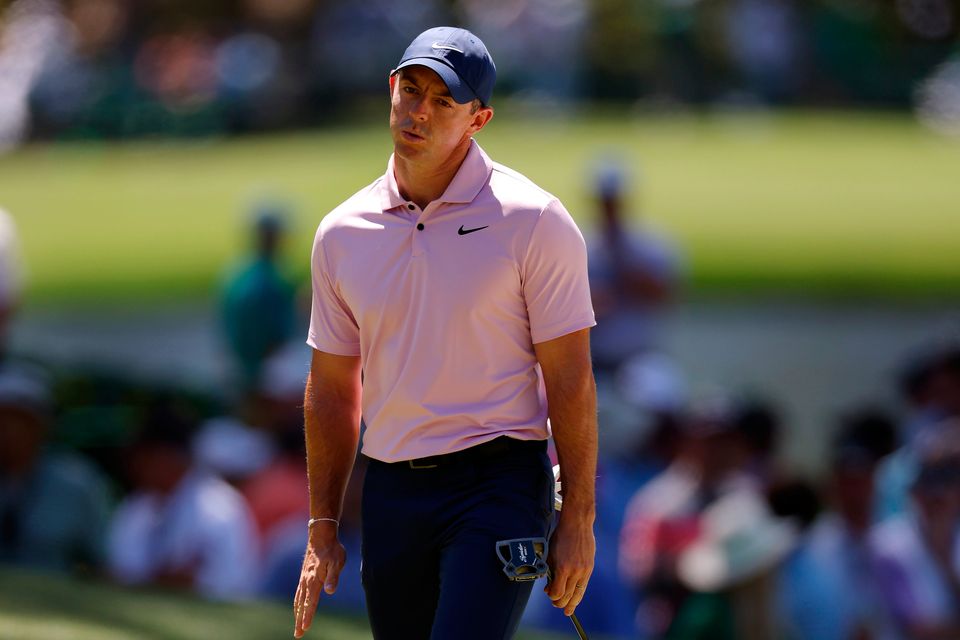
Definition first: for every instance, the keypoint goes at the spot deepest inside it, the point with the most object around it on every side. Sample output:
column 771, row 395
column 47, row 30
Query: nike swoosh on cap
column 437, row 45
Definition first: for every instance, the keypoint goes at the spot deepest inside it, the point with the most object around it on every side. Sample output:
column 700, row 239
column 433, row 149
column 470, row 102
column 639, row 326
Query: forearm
column 572, row 401
column 331, row 430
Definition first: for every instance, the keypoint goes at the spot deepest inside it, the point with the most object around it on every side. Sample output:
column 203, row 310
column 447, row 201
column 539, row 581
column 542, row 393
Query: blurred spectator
column 278, row 491
column 181, row 526
column 252, row 83
column 259, row 299
column 732, row 570
column 664, row 517
column 83, row 84
column 232, row 449
column 760, row 424
column 763, row 41
column 377, row 29
column 931, row 386
column 32, row 32
column 830, row 586
column 95, row 68
column 634, row 274
column 938, row 98
column 179, row 68
column 10, row 276
column 795, row 498
column 53, row 505
column 919, row 551
column 646, row 392
column 641, row 411
column 682, row 73
column 539, row 44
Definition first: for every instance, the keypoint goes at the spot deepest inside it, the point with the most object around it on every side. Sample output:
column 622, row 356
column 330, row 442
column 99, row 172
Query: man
column 918, row 551
column 634, row 277
column 459, row 288
column 830, row 586
column 665, row 516
column 181, row 527
column 53, row 504
column 258, row 304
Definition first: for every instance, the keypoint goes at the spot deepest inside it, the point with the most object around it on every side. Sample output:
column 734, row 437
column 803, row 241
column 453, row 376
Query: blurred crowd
column 117, row 68
column 703, row 532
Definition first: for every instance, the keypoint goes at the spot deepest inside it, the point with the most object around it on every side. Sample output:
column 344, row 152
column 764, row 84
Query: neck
column 423, row 182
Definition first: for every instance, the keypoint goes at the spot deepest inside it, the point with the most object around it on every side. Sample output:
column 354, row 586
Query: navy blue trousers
column 429, row 564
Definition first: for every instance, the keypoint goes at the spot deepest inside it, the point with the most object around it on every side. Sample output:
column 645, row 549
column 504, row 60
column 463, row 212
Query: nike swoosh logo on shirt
column 461, row 231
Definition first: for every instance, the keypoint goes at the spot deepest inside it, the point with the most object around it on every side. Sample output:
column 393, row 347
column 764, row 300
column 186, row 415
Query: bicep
column 334, row 375
column 568, row 355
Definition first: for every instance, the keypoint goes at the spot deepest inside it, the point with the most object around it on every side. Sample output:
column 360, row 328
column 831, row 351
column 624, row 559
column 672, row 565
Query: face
column 156, row 467
column 853, row 488
column 426, row 124
column 21, row 437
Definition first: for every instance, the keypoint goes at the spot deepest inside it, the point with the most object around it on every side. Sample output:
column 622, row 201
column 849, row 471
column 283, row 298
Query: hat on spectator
column 938, row 457
column 25, row 389
column 232, row 449
column 652, row 382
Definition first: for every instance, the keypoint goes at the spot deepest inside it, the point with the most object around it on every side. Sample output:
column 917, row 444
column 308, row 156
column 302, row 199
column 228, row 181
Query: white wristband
column 313, row 521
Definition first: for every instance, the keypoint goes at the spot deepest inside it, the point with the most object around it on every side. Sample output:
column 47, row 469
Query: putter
column 525, row 560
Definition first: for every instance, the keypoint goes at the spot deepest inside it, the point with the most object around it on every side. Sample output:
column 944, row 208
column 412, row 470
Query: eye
column 409, row 89
column 444, row 103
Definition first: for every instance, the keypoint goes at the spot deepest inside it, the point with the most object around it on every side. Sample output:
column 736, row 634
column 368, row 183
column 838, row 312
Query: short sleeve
column 333, row 329
column 555, row 284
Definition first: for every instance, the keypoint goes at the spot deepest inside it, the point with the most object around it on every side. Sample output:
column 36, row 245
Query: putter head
column 524, row 559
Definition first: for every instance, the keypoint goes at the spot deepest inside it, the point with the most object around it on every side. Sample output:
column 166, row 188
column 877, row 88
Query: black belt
column 494, row 448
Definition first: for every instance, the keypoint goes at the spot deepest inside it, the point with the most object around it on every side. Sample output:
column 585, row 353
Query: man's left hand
column 572, row 550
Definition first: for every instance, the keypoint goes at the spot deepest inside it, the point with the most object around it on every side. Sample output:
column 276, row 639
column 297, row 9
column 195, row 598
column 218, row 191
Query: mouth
column 410, row 136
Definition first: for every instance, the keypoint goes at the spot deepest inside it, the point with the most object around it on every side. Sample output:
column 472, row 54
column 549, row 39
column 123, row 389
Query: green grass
column 816, row 203
column 35, row 607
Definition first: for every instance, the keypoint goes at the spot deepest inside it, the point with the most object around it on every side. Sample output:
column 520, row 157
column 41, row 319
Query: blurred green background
column 807, row 202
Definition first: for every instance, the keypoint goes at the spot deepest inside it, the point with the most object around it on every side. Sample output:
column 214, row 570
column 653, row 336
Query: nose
column 419, row 109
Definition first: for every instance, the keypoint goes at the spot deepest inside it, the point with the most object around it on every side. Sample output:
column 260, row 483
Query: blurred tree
column 620, row 49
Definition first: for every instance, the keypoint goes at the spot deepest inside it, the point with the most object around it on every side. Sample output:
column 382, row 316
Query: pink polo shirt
column 445, row 304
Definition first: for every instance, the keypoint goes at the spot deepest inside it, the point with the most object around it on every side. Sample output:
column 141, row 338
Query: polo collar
column 471, row 177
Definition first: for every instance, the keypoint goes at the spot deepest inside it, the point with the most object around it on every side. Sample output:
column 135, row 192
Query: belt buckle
column 413, row 465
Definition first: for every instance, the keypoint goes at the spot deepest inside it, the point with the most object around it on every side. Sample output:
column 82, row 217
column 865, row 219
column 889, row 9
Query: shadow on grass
column 36, row 606
column 43, row 607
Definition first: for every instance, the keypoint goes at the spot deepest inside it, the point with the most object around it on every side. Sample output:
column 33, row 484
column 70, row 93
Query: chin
column 407, row 151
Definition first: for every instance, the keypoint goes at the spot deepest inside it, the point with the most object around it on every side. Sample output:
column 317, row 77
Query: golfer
column 458, row 288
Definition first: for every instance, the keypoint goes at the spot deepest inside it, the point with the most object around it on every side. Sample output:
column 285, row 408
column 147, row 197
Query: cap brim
column 459, row 90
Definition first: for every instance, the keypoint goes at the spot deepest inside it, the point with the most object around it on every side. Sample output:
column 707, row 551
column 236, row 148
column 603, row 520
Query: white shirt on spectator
column 205, row 525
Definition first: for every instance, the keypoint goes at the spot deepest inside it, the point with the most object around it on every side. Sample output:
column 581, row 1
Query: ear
column 392, row 80
column 480, row 119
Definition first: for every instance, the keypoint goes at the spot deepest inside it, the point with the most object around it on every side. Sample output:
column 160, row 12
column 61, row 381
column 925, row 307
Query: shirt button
column 420, row 226
column 411, row 207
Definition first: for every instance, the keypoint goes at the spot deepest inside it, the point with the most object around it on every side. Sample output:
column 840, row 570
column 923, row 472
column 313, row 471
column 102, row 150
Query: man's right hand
column 322, row 564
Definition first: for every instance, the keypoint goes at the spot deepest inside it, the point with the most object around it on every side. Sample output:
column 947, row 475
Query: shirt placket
column 421, row 226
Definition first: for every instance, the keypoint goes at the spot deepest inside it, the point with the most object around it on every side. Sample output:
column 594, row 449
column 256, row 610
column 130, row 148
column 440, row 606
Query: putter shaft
column 578, row 627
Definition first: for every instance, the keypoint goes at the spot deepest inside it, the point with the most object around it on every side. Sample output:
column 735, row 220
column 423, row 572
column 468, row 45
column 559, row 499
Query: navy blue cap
column 459, row 58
